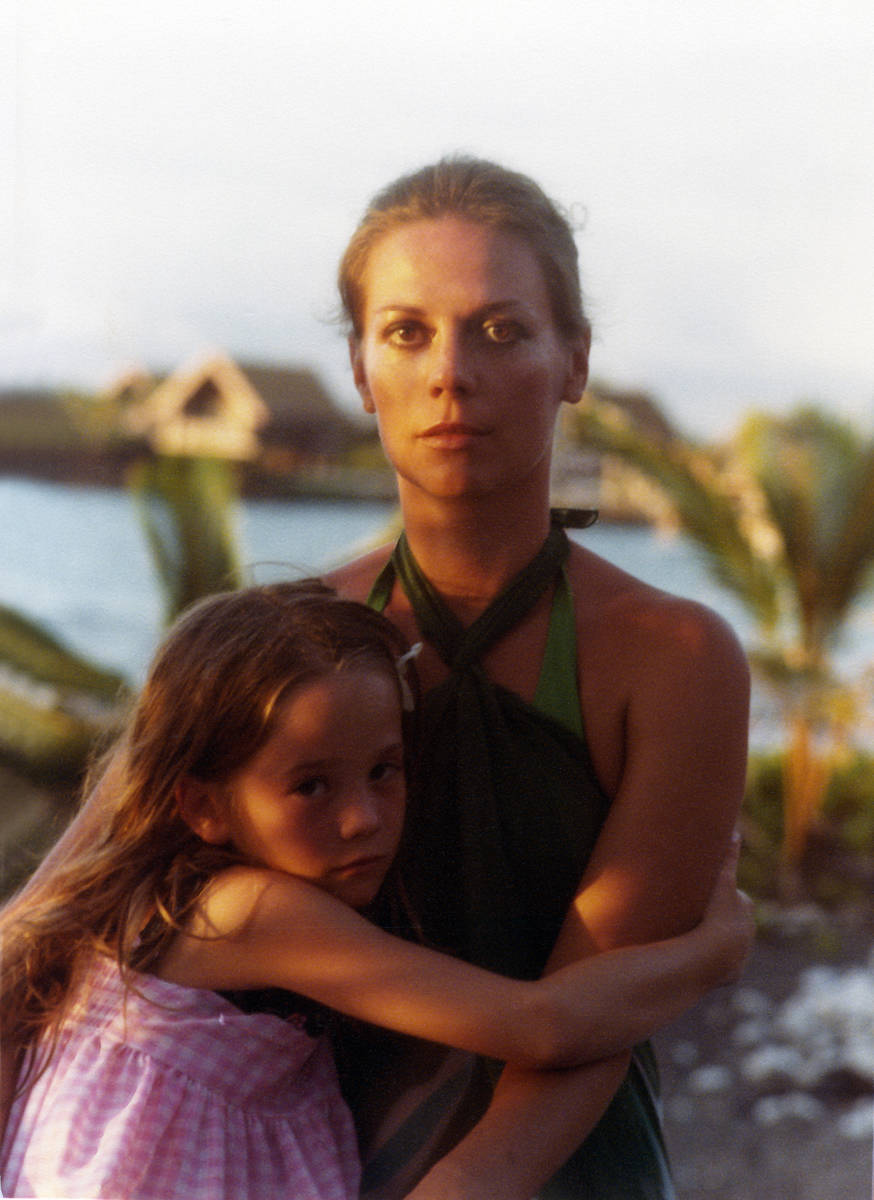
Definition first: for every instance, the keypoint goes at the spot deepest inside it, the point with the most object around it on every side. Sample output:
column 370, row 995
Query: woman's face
column 460, row 357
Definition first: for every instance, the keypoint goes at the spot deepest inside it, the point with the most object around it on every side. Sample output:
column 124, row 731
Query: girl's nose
column 360, row 816
column 452, row 368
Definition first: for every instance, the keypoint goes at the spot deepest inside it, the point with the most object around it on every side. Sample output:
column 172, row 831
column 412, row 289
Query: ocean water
column 76, row 559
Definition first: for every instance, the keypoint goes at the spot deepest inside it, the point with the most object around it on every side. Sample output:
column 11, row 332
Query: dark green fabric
column 505, row 810
column 496, row 888
column 558, row 692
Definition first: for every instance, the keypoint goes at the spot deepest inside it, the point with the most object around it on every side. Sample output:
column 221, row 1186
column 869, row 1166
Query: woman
column 587, row 733
column 587, row 747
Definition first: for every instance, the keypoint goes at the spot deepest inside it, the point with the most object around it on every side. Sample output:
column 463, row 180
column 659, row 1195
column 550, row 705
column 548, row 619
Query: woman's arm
column 259, row 928
column 670, row 687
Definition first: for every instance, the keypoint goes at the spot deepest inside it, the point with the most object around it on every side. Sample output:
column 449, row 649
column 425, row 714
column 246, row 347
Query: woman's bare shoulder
column 355, row 579
column 662, row 678
column 612, row 604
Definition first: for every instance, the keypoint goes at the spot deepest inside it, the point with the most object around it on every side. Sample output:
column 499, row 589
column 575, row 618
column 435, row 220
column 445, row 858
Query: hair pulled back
column 485, row 193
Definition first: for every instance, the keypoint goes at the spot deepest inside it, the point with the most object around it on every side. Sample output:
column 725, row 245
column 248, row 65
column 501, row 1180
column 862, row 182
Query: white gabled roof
column 207, row 408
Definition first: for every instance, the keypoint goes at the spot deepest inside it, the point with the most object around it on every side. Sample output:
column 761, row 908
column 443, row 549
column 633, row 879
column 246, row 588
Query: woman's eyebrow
column 482, row 310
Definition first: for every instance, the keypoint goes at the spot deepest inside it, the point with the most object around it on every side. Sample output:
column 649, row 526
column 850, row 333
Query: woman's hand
column 728, row 923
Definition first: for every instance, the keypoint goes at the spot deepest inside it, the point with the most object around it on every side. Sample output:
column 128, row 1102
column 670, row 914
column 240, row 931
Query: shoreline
column 319, row 483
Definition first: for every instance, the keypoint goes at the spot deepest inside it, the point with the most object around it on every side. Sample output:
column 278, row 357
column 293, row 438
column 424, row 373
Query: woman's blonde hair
column 485, row 193
column 207, row 706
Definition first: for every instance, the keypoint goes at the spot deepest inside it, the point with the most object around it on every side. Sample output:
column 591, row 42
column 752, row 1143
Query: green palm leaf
column 706, row 509
column 54, row 702
column 26, row 647
column 187, row 509
column 817, row 476
column 807, row 480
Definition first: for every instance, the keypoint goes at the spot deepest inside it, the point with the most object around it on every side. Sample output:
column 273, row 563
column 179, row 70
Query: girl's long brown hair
column 206, row 708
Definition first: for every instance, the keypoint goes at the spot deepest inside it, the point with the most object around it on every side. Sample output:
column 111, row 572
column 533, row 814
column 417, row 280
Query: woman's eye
column 405, row 333
column 503, row 333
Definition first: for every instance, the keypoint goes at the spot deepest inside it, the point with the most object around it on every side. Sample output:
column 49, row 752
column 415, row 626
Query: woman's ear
column 203, row 808
column 578, row 368
column 356, row 358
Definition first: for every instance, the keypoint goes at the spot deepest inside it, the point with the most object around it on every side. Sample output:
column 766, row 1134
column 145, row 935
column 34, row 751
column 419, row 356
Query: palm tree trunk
column 806, row 773
column 188, row 510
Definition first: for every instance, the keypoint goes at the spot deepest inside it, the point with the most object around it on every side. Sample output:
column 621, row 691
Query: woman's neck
column 470, row 549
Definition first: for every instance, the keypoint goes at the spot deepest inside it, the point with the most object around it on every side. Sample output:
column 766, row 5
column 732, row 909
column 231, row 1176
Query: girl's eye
column 503, row 333
column 385, row 771
column 314, row 786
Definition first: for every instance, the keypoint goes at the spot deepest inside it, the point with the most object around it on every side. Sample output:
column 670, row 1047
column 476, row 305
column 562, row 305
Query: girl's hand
column 728, row 924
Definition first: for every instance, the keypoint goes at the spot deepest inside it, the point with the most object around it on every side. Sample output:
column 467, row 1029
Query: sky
column 179, row 177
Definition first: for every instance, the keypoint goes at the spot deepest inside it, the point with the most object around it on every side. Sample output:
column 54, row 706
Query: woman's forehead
column 415, row 262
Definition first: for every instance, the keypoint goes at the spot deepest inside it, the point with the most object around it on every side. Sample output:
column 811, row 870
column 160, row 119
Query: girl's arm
column 259, row 928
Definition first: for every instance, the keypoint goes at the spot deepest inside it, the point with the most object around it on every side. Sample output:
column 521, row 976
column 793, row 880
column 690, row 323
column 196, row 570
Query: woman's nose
column 452, row 366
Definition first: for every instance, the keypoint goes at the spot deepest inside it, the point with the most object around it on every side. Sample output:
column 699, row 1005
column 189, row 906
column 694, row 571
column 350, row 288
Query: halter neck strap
column 460, row 647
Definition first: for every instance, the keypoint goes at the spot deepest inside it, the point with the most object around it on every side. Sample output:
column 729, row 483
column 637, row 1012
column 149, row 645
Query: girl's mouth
column 360, row 865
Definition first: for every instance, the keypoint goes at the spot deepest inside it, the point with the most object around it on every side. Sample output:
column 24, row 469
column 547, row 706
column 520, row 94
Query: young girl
column 257, row 801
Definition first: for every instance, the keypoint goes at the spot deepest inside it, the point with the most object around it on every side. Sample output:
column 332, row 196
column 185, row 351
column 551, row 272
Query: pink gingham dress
column 172, row 1093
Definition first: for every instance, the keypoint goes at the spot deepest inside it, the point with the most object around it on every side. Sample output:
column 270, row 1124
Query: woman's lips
column 452, row 435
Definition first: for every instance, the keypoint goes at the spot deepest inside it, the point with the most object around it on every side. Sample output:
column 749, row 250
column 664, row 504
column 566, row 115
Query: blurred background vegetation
column 782, row 513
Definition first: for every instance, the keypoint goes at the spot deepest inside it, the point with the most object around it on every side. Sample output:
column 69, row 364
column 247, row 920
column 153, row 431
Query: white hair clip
column 408, row 702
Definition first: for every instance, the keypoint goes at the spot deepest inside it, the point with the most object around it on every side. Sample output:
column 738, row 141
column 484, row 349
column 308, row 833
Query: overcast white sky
column 183, row 174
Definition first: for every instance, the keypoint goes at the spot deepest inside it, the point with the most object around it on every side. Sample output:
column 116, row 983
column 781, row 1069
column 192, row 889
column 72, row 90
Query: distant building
column 130, row 387
column 303, row 423
column 583, row 476
column 638, row 408
column 280, row 416
column 208, row 409
column 279, row 423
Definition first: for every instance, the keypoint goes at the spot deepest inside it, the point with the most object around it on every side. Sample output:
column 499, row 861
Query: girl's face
column 324, row 797
column 460, row 357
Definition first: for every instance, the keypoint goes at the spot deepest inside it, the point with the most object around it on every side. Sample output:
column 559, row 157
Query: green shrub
column 839, row 859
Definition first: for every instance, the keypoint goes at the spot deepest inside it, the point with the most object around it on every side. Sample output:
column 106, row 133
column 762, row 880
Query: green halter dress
column 505, row 810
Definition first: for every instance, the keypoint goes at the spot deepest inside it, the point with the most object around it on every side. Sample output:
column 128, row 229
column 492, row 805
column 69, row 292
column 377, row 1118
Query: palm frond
column 853, row 552
column 817, row 476
column 706, row 510
column 187, row 509
column 29, row 648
